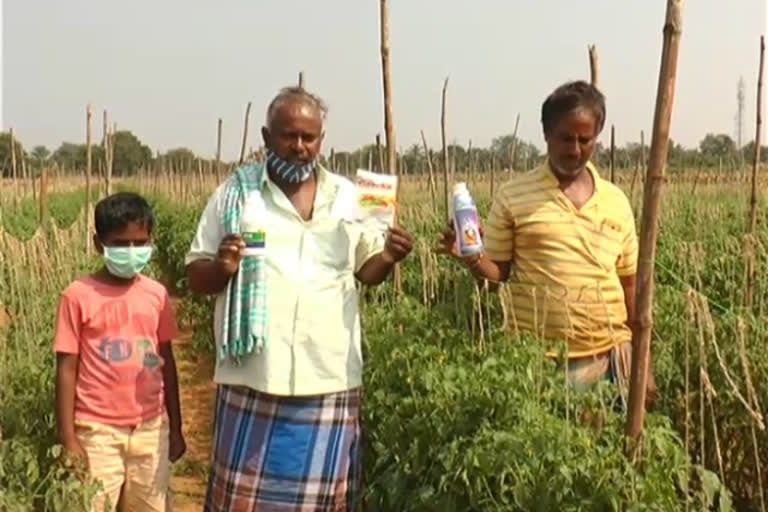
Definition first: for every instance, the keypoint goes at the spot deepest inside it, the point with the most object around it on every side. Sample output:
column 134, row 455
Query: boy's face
column 133, row 233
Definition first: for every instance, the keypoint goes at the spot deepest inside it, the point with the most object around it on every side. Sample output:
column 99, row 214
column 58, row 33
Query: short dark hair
column 569, row 97
column 118, row 210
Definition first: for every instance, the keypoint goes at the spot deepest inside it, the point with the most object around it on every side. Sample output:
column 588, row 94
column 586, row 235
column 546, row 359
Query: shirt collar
column 591, row 168
column 326, row 187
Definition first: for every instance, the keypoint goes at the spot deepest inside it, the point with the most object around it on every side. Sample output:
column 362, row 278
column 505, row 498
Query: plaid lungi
column 280, row 453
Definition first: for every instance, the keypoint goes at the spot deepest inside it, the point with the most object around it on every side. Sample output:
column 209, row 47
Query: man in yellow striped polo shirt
column 565, row 240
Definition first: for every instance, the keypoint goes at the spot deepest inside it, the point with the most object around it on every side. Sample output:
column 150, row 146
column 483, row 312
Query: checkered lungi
column 280, row 453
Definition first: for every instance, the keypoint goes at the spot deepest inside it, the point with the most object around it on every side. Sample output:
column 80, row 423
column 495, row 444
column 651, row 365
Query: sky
column 167, row 70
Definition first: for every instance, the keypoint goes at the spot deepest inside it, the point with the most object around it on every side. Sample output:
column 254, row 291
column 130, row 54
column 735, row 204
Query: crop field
column 461, row 411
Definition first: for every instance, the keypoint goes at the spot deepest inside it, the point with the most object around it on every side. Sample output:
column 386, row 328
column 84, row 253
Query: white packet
column 376, row 198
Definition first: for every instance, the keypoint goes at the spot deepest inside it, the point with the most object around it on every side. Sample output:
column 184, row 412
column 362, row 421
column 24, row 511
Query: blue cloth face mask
column 127, row 262
column 288, row 172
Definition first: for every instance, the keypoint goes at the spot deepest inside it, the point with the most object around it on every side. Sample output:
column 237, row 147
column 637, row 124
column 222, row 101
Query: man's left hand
column 398, row 245
column 177, row 446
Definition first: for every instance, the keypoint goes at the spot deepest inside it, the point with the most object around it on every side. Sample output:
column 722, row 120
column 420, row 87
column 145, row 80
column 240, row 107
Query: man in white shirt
column 287, row 426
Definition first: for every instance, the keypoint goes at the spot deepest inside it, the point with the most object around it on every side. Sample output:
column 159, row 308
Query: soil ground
column 197, row 393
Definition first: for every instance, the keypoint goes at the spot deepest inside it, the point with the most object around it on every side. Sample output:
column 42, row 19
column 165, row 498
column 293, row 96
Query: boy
column 117, row 398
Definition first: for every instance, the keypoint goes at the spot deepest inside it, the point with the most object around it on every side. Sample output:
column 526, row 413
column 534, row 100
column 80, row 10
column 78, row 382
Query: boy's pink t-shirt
column 116, row 331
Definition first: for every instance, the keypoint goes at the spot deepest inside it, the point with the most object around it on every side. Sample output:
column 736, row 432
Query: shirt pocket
column 329, row 243
column 609, row 241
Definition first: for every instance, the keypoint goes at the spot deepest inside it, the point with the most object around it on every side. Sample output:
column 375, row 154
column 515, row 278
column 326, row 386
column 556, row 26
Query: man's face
column 571, row 142
column 295, row 133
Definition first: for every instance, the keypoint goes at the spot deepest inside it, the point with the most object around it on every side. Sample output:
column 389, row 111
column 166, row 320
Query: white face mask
column 127, row 262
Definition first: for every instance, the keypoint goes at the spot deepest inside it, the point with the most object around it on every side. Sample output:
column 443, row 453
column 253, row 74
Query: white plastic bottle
column 466, row 222
column 252, row 225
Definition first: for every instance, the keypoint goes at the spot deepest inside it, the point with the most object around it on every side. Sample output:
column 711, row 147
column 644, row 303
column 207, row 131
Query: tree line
column 504, row 152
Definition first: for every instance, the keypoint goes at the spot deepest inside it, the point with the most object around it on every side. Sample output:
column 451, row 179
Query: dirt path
column 197, row 401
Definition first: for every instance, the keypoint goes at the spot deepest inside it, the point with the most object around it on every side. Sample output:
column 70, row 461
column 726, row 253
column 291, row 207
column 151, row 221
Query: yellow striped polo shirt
column 566, row 262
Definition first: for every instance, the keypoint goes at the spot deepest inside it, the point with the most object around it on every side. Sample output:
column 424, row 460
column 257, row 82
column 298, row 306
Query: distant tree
column 40, row 154
column 5, row 154
column 720, row 145
column 129, row 154
column 749, row 152
column 75, row 157
column 180, row 158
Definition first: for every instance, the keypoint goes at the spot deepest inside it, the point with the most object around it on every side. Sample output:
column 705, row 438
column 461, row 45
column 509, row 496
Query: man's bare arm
column 628, row 283
column 485, row 268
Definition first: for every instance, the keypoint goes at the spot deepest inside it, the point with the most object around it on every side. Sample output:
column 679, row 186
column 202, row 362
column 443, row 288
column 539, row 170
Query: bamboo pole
column 44, row 196
column 613, row 154
column 107, row 143
column 641, row 340
column 389, row 125
column 758, row 138
column 379, row 154
column 218, row 153
column 513, row 149
column 13, row 154
column 469, row 164
column 445, row 151
column 750, row 289
column 432, row 184
column 245, row 133
column 386, row 74
column 88, row 170
column 593, row 65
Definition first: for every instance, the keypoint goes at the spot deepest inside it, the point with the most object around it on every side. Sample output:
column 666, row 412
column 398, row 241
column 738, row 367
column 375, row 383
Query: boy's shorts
column 134, row 459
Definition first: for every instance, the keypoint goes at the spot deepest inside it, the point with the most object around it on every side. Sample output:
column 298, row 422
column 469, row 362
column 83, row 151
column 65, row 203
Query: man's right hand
column 230, row 253
column 448, row 243
column 76, row 457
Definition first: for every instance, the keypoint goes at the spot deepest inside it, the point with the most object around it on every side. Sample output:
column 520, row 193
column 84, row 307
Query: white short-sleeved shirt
column 313, row 344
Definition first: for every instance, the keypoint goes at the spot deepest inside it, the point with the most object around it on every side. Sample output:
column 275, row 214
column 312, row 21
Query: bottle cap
column 460, row 188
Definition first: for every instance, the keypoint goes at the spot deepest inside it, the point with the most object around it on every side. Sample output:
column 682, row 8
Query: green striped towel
column 245, row 307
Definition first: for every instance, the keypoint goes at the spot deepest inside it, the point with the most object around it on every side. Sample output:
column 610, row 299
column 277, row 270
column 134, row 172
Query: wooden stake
column 13, row 155
column 445, row 152
column 641, row 339
column 386, row 74
column 389, row 125
column 245, row 133
column 613, row 154
column 88, row 169
column 758, row 138
column 469, row 163
column 432, row 184
column 379, row 154
column 44, row 196
column 749, row 294
column 513, row 149
column 218, row 154
column 107, row 145
column 593, row 65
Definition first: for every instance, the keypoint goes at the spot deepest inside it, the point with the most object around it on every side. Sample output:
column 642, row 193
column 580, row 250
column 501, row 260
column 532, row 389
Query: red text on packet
column 372, row 184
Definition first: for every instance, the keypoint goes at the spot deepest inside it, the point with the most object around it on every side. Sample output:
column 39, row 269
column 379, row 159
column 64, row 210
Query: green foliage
column 23, row 219
column 453, row 426
column 32, row 476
